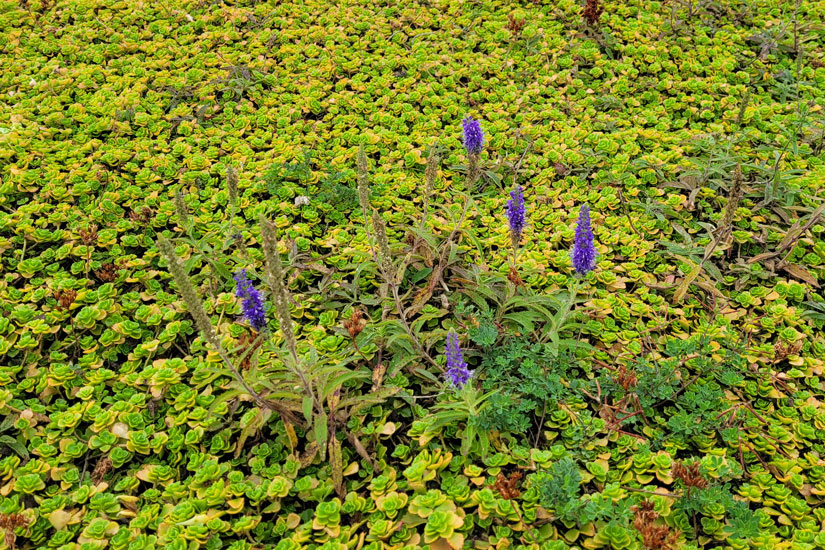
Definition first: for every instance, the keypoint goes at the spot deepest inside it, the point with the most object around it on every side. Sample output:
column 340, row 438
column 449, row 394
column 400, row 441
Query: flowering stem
column 231, row 222
column 562, row 315
column 450, row 238
column 574, row 290
column 515, row 253
column 469, row 394
column 299, row 372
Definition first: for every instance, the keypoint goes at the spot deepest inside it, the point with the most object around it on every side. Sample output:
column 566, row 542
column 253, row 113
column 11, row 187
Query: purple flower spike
column 584, row 252
column 473, row 136
column 516, row 213
column 252, row 305
column 457, row 372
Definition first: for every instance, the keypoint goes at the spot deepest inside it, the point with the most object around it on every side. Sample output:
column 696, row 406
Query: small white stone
column 301, row 201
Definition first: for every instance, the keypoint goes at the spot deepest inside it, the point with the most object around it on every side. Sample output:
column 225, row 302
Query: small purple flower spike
column 252, row 305
column 457, row 372
column 516, row 213
column 473, row 136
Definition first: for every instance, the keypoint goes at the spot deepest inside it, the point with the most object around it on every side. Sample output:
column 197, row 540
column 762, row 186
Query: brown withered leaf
column 291, row 435
column 9, row 522
column 104, row 466
column 336, row 462
column 309, row 455
column 360, row 449
column 420, row 300
column 378, row 375
column 800, row 273
column 247, row 346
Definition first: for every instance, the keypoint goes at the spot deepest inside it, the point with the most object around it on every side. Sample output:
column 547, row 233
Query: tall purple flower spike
column 584, row 251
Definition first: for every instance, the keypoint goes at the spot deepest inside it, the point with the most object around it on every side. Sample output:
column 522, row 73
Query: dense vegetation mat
column 208, row 340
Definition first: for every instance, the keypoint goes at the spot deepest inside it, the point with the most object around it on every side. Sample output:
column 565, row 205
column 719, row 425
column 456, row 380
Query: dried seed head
column 592, row 12
column 181, row 209
column 275, row 278
column 514, row 25
column 232, row 183
column 507, row 487
column 107, row 272
column 514, row 277
column 431, row 172
column 384, row 256
column 654, row 537
column 88, row 236
column 625, row 378
column 689, row 474
column 355, row 324
column 725, row 227
column 743, row 107
column 65, row 298
column 190, row 297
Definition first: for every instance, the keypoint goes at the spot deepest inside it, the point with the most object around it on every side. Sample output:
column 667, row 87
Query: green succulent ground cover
column 670, row 399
